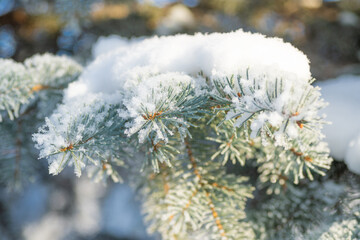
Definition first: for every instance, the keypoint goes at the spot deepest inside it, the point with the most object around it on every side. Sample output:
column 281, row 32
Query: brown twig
column 299, row 154
column 152, row 116
column 202, row 184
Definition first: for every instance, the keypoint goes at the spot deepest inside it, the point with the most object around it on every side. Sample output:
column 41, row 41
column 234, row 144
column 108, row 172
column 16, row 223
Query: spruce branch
column 19, row 82
column 277, row 108
column 27, row 101
column 15, row 84
column 51, row 72
column 283, row 215
column 345, row 229
column 191, row 201
column 215, row 215
column 167, row 110
column 82, row 138
column 290, row 129
column 278, row 165
column 232, row 145
column 16, row 165
column 108, row 168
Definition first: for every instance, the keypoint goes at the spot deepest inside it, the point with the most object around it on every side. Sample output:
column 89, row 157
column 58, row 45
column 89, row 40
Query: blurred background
column 64, row 207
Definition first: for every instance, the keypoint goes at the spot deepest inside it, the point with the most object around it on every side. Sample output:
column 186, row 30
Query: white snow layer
column 352, row 157
column 213, row 54
column 107, row 44
column 343, row 135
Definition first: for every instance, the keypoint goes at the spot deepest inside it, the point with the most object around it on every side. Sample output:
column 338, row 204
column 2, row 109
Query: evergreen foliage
column 29, row 92
column 186, row 132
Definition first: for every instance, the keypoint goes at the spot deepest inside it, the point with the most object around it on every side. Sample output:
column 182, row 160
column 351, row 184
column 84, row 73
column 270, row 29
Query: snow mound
column 343, row 135
column 107, row 44
column 352, row 157
column 120, row 68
